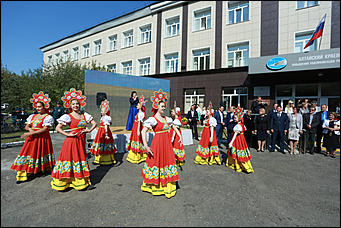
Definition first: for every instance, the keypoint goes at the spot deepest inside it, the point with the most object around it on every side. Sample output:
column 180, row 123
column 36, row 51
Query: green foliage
column 55, row 80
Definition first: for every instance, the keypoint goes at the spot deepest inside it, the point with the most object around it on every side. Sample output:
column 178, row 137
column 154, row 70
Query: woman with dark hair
column 331, row 137
column 72, row 168
column 36, row 155
column 134, row 100
column 159, row 172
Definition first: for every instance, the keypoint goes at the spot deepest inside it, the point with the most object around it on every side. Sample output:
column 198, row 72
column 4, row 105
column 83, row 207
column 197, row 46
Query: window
column 128, row 39
column 146, row 34
column 112, row 68
column 301, row 39
column 238, row 11
column 194, row 96
column 97, row 47
column 235, row 97
column 56, row 58
column 172, row 26
column 202, row 19
column 127, row 67
column 238, row 55
column 144, row 66
column 305, row 4
column 49, row 60
column 112, row 43
column 171, row 63
column 86, row 50
column 201, row 59
column 75, row 53
column 65, row 56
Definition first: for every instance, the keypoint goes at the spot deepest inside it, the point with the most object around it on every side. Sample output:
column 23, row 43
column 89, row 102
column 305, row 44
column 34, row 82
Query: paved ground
column 285, row 190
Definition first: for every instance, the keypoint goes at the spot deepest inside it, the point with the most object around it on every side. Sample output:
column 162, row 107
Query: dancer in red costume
column 159, row 172
column 208, row 151
column 103, row 146
column 238, row 153
column 137, row 152
column 72, row 168
column 36, row 155
column 178, row 147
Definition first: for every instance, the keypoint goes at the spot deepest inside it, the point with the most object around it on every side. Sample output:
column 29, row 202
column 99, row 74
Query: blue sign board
column 277, row 63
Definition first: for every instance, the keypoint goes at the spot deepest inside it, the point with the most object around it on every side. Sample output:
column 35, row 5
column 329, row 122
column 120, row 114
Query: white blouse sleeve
column 64, row 119
column 169, row 120
column 325, row 123
column 29, row 119
column 140, row 116
column 48, row 121
column 237, row 128
column 88, row 117
column 150, row 122
column 213, row 122
column 177, row 123
column 106, row 120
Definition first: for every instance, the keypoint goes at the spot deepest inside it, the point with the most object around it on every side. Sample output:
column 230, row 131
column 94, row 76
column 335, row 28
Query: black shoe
column 89, row 187
column 312, row 153
column 332, row 156
column 262, row 150
column 271, row 150
column 258, row 150
column 19, row 182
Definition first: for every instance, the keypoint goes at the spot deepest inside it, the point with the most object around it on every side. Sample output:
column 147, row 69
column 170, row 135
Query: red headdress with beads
column 40, row 97
column 73, row 95
column 157, row 98
column 239, row 113
column 105, row 105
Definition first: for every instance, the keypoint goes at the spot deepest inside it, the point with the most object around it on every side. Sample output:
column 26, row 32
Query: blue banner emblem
column 277, row 63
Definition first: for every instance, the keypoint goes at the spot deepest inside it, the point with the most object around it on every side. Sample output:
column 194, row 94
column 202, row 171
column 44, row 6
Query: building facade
column 210, row 50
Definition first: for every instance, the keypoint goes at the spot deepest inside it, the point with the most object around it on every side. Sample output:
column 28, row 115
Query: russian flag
column 317, row 33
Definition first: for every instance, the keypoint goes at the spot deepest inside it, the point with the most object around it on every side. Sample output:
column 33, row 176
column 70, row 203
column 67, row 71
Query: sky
column 28, row 25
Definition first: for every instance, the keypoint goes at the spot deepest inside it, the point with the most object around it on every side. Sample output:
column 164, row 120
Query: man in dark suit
column 230, row 123
column 274, row 110
column 192, row 117
column 323, row 115
column 219, row 116
column 279, row 126
column 311, row 122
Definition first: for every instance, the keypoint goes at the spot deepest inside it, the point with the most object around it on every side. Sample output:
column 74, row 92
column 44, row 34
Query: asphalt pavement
column 284, row 190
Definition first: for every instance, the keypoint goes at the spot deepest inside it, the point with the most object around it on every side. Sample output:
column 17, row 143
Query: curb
column 20, row 143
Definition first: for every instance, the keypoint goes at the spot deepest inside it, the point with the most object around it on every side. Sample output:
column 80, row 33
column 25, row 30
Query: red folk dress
column 239, row 155
column 178, row 148
column 72, row 168
column 160, row 172
column 104, row 149
column 137, row 152
column 36, row 155
column 208, row 152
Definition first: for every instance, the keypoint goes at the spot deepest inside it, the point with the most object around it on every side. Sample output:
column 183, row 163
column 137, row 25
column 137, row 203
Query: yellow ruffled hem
column 169, row 190
column 207, row 161
column 136, row 158
column 239, row 166
column 22, row 175
column 65, row 183
column 104, row 159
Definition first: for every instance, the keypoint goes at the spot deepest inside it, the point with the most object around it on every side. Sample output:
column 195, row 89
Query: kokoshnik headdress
column 40, row 97
column 210, row 109
column 157, row 98
column 105, row 105
column 239, row 113
column 73, row 95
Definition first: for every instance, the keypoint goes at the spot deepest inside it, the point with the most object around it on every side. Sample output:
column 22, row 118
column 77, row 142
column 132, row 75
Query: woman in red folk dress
column 159, row 172
column 36, row 155
column 238, row 153
column 137, row 152
column 178, row 147
column 208, row 151
column 103, row 146
column 72, row 168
